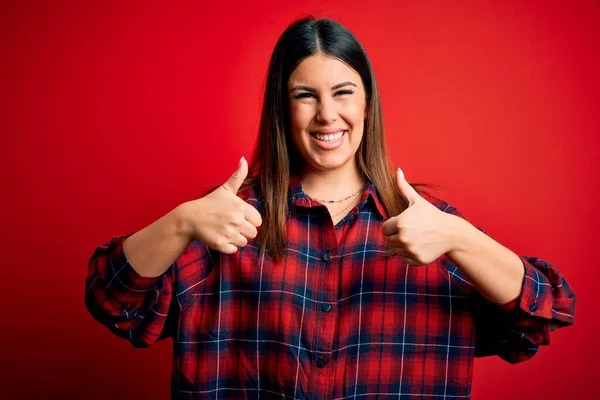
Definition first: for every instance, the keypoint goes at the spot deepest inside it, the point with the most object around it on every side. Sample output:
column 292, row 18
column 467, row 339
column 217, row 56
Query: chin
column 329, row 165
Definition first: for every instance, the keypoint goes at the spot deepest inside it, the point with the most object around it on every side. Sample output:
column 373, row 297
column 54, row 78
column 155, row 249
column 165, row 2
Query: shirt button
column 533, row 307
column 321, row 362
column 326, row 307
column 326, row 257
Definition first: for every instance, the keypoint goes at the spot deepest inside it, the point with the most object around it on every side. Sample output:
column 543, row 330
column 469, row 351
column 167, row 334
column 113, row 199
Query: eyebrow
column 312, row 90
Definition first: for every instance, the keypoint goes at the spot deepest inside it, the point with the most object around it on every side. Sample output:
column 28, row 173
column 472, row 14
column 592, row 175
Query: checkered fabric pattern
column 337, row 318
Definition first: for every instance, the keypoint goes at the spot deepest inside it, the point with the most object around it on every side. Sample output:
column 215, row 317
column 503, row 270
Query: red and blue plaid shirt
column 337, row 318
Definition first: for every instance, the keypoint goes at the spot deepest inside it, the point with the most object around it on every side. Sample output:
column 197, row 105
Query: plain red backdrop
column 113, row 113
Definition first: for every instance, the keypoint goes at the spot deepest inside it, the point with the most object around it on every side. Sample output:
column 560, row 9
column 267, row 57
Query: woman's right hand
column 221, row 219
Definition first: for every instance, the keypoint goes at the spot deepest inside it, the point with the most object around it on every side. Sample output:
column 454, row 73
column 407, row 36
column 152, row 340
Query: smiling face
column 327, row 112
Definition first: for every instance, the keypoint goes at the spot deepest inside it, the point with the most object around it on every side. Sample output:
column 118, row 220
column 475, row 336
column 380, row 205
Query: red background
column 113, row 114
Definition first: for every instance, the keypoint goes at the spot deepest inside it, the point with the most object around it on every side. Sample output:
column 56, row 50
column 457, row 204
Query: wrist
column 181, row 221
column 457, row 233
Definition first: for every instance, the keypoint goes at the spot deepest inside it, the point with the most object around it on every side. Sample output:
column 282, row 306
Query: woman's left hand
column 421, row 233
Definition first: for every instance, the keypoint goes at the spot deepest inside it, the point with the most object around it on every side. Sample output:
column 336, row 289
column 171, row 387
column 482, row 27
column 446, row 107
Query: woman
column 281, row 282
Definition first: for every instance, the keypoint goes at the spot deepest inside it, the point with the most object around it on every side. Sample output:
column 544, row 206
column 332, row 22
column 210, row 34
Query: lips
column 328, row 140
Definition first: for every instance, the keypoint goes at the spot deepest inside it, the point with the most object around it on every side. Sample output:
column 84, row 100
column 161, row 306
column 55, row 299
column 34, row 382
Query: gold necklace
column 338, row 201
column 347, row 207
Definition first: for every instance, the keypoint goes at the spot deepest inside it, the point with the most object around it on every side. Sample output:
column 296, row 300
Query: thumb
column 237, row 178
column 405, row 189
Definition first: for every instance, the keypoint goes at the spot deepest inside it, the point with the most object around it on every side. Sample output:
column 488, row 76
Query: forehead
column 321, row 70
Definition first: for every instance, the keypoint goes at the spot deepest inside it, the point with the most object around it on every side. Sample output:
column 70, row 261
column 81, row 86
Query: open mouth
column 330, row 137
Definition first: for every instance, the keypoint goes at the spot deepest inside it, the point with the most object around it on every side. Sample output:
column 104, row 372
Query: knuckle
column 237, row 219
column 226, row 231
column 231, row 230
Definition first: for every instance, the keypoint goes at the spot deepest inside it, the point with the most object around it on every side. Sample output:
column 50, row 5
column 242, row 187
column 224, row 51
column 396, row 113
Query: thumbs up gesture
column 421, row 233
column 222, row 220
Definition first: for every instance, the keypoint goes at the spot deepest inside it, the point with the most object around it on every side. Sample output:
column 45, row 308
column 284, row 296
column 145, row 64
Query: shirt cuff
column 511, row 305
column 536, row 294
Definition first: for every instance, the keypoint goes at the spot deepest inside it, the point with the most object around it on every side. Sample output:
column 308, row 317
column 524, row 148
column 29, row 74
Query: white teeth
column 330, row 138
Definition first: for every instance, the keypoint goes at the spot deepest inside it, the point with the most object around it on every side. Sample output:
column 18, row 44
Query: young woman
column 318, row 271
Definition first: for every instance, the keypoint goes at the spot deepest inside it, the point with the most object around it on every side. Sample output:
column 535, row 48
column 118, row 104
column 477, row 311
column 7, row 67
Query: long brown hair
column 275, row 156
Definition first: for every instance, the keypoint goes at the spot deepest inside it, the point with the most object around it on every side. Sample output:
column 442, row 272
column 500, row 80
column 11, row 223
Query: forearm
column 153, row 249
column 495, row 271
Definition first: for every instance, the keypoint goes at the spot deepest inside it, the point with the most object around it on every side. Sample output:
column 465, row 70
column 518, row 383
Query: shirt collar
column 298, row 198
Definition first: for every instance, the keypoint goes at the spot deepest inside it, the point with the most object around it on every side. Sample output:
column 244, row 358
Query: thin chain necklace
column 347, row 207
column 341, row 200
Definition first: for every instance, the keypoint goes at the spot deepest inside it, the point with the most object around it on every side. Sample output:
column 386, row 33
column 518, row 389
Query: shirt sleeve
column 515, row 331
column 142, row 310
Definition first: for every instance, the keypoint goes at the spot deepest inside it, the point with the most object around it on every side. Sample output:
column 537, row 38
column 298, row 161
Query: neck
column 332, row 184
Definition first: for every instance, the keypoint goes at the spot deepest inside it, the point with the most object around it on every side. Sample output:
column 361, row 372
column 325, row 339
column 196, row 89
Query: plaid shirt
column 337, row 318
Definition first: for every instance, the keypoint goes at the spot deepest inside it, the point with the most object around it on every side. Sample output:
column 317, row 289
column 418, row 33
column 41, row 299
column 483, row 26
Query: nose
column 327, row 111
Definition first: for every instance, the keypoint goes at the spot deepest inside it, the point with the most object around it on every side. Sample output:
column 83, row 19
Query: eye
column 303, row 95
column 341, row 92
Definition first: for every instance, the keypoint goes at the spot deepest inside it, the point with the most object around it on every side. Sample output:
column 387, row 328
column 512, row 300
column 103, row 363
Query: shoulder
column 440, row 203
